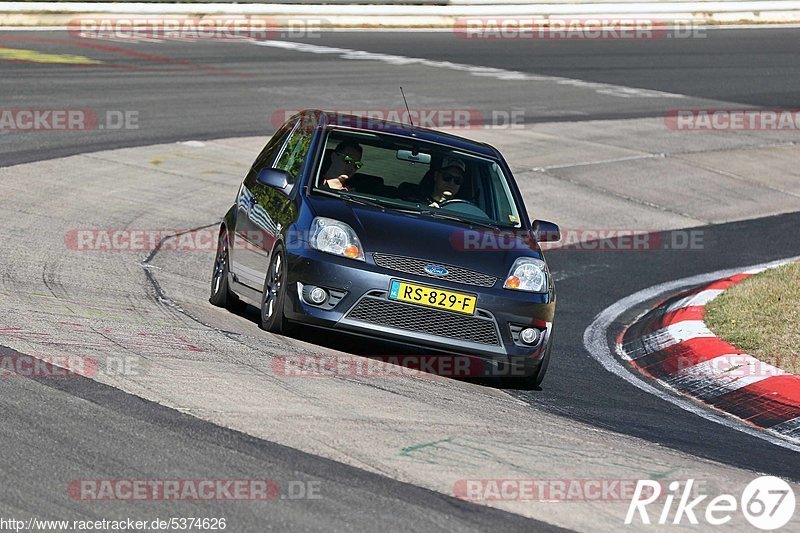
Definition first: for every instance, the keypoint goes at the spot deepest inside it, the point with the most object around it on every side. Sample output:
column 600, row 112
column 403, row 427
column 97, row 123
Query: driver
column 447, row 181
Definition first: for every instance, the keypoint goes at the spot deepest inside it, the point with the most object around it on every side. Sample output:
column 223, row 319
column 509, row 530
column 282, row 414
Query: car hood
column 436, row 240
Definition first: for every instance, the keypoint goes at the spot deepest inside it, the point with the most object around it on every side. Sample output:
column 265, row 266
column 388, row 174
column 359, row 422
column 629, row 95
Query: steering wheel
column 454, row 201
column 465, row 207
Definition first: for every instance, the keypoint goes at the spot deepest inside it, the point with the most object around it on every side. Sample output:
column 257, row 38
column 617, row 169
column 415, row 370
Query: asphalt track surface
column 135, row 439
column 201, row 91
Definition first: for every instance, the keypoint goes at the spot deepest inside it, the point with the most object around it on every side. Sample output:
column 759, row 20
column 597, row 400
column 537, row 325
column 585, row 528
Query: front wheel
column 221, row 295
column 273, row 296
column 533, row 381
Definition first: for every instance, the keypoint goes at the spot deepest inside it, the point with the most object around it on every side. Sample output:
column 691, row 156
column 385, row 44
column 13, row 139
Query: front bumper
column 365, row 309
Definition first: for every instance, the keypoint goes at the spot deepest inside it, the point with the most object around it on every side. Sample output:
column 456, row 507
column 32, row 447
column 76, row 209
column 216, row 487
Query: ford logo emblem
column 434, row 270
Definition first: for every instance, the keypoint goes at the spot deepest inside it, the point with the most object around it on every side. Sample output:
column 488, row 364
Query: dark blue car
column 395, row 232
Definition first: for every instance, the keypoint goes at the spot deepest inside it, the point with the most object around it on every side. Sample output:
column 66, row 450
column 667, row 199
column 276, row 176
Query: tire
column 536, row 380
column 221, row 294
column 273, row 297
column 533, row 381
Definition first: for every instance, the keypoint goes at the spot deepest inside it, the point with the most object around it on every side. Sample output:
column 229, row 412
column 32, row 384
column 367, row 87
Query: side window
column 296, row 149
column 270, row 151
column 268, row 154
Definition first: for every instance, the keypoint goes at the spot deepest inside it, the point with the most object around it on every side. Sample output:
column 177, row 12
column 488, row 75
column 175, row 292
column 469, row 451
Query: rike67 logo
column 767, row 503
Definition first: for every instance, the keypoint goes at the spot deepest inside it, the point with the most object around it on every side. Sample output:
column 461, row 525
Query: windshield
column 407, row 175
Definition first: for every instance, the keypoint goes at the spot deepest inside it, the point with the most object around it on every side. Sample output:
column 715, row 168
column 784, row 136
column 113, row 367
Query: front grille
column 455, row 274
column 431, row 321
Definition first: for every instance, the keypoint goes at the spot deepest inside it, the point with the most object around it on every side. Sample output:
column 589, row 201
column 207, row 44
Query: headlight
column 527, row 274
column 334, row 237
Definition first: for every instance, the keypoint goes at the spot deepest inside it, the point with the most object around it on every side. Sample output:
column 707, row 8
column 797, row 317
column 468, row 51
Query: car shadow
column 464, row 368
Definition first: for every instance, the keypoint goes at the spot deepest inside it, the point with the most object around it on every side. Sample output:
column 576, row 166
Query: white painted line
column 733, row 365
column 756, row 270
column 33, row 28
column 475, row 70
column 598, row 162
column 790, row 427
column 687, row 330
column 727, row 373
column 595, row 340
column 669, row 336
column 701, row 298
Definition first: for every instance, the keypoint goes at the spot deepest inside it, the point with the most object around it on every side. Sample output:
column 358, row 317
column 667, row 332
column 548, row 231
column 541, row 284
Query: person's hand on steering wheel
column 453, row 201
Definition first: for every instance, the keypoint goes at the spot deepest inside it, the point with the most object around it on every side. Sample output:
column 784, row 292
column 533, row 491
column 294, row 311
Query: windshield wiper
column 439, row 214
column 351, row 198
column 361, row 200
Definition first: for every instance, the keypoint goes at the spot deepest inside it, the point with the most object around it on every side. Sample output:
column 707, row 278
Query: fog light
column 529, row 335
column 318, row 295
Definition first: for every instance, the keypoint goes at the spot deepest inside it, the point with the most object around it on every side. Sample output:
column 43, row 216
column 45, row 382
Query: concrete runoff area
column 639, row 174
column 429, row 431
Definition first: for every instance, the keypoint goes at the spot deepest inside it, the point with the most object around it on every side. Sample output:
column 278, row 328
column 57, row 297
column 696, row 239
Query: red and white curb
column 673, row 345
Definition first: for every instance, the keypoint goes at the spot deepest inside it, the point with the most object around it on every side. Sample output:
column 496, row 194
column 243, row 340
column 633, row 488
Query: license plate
column 431, row 297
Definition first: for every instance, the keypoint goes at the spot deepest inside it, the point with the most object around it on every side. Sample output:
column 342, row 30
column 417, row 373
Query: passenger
column 345, row 161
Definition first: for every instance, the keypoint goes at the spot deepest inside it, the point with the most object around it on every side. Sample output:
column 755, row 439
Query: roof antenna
column 411, row 120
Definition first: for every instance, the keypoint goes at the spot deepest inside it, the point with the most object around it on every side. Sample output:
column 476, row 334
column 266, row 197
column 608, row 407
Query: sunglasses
column 349, row 160
column 455, row 178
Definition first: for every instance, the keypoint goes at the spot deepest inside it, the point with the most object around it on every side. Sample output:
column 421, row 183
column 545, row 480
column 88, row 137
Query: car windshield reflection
column 402, row 174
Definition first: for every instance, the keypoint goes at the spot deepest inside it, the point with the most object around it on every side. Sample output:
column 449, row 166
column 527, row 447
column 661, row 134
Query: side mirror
column 273, row 177
column 545, row 231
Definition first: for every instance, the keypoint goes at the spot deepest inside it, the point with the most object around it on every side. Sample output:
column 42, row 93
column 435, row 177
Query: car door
column 269, row 210
column 248, row 250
